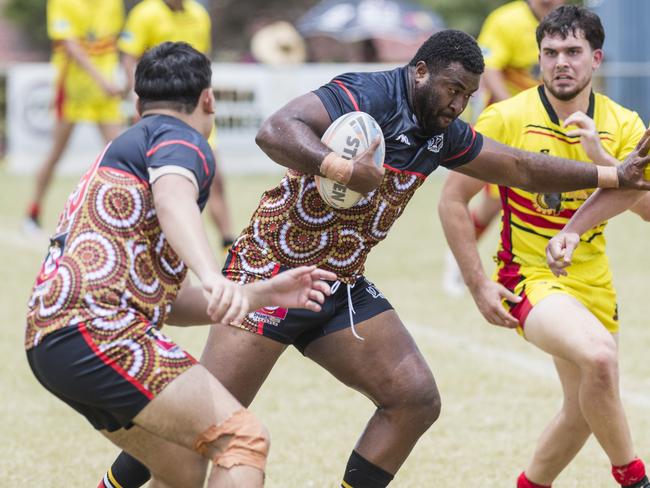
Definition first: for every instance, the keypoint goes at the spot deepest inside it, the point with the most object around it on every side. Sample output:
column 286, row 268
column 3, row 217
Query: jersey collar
column 551, row 111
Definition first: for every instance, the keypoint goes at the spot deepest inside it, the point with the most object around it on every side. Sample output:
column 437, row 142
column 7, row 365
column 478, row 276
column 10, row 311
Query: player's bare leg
column 109, row 131
column 186, row 413
column 563, row 327
column 240, row 360
column 60, row 138
column 565, row 435
column 219, row 209
column 389, row 369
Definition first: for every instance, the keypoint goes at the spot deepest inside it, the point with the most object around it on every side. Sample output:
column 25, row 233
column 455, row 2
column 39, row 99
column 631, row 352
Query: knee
column 239, row 440
column 418, row 398
column 601, row 362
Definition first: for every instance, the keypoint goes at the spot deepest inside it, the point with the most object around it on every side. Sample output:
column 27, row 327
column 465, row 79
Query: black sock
column 126, row 472
column 361, row 473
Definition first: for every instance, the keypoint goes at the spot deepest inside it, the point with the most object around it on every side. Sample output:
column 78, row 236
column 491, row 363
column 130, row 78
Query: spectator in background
column 507, row 40
column 84, row 37
column 152, row 22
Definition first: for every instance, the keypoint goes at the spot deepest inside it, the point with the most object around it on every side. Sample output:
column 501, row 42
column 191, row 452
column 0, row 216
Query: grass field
column 498, row 392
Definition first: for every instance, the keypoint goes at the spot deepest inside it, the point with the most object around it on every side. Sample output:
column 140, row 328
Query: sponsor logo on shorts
column 373, row 291
column 269, row 315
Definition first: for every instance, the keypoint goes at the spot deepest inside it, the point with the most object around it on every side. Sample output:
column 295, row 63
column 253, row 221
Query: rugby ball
column 348, row 136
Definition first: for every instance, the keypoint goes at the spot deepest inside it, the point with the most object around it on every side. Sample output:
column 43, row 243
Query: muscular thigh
column 385, row 364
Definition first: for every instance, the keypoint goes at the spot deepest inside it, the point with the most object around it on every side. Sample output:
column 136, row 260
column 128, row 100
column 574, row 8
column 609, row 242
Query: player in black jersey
column 116, row 271
column 417, row 107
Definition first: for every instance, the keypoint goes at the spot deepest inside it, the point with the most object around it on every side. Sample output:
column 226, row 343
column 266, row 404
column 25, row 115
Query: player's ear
column 597, row 58
column 207, row 101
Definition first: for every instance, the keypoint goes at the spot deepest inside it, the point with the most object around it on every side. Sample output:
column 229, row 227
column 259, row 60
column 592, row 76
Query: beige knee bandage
column 248, row 444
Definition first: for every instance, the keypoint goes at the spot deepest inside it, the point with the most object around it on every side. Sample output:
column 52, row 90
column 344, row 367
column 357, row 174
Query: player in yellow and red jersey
column 574, row 318
column 507, row 40
column 84, row 36
column 152, row 22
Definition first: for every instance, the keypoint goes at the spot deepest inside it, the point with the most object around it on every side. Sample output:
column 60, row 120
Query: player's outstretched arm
column 600, row 206
column 291, row 137
column 536, row 172
column 453, row 209
column 180, row 218
column 303, row 287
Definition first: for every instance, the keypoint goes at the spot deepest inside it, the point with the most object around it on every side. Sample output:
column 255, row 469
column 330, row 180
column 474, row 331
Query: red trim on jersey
column 464, row 151
column 347, row 91
column 577, row 141
column 536, row 220
column 526, row 203
column 510, row 276
column 111, row 362
column 59, row 100
column 506, row 232
column 405, row 172
column 153, row 150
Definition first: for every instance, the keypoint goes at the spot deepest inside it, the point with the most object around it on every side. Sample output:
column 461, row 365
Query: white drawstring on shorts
column 351, row 311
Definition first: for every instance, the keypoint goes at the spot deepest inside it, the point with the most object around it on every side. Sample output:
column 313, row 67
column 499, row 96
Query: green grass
column 498, row 391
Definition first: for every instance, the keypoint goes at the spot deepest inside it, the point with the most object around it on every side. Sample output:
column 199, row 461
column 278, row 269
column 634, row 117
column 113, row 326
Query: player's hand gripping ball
column 348, row 136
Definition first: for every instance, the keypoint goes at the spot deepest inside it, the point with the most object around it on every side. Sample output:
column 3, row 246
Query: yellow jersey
column 527, row 121
column 93, row 24
column 152, row 22
column 507, row 40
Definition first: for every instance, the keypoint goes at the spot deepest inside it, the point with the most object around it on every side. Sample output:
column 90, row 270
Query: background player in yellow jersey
column 574, row 318
column 84, row 53
column 507, row 40
column 152, row 22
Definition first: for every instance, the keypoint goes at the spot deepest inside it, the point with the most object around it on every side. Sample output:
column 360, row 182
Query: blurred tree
column 232, row 19
column 29, row 15
column 465, row 15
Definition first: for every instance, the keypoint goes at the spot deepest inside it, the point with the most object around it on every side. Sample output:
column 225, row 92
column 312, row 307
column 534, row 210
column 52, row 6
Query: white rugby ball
column 348, row 136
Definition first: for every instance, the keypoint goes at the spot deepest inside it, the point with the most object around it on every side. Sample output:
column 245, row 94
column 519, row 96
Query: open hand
column 560, row 250
column 303, row 287
column 589, row 138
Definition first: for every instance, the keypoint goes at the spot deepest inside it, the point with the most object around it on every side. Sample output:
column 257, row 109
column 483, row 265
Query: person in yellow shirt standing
column 507, row 40
column 152, row 22
column 84, row 38
column 574, row 319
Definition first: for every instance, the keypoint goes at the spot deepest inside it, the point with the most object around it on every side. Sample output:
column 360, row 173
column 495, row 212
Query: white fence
column 246, row 95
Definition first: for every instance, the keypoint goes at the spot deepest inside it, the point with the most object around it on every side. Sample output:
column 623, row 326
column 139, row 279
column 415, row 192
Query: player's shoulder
column 195, row 8
column 513, row 10
column 517, row 105
column 147, row 9
column 609, row 108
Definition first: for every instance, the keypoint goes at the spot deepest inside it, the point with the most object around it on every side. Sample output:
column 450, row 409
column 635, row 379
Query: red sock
column 523, row 482
column 33, row 210
column 630, row 473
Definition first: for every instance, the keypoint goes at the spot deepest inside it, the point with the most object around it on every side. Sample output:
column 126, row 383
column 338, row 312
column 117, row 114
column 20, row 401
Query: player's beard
column 565, row 96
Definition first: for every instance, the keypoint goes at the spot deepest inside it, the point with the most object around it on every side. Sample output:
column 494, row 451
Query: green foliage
column 29, row 15
column 466, row 15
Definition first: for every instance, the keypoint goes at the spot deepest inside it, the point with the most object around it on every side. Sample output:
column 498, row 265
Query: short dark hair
column 572, row 19
column 172, row 75
column 449, row 46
